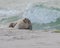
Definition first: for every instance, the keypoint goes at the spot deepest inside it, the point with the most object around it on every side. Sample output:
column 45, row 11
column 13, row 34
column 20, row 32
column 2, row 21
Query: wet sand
column 14, row 38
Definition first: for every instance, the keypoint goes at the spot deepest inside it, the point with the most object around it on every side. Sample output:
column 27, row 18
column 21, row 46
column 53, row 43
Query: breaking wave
column 41, row 16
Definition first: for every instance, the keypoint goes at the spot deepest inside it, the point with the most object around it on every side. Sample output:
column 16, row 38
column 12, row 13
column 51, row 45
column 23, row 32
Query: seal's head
column 27, row 21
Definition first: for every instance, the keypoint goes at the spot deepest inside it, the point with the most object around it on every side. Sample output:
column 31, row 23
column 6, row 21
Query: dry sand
column 14, row 38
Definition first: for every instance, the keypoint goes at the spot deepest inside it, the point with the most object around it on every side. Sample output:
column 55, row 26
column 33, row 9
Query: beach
column 14, row 38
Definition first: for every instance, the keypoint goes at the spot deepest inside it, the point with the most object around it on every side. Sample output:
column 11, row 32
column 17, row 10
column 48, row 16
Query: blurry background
column 20, row 4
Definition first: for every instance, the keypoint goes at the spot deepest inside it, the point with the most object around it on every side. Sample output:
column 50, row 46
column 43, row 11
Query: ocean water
column 41, row 16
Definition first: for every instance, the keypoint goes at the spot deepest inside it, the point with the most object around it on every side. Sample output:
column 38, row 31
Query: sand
column 14, row 38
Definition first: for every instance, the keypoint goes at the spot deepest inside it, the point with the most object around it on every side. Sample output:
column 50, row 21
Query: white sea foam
column 41, row 14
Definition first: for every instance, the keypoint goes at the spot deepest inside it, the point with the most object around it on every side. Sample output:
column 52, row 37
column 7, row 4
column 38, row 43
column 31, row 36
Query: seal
column 24, row 23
